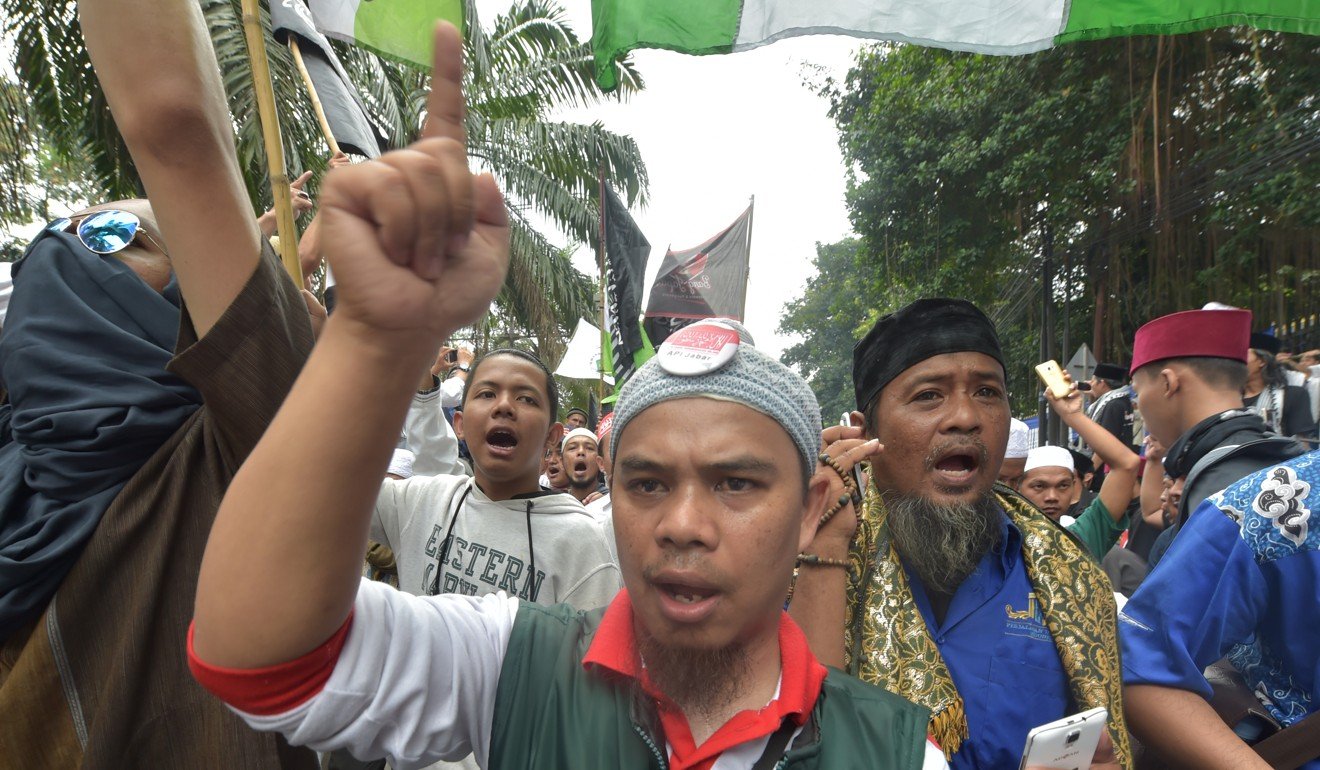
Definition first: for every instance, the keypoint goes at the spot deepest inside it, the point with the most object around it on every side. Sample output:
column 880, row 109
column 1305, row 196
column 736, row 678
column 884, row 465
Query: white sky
column 715, row 130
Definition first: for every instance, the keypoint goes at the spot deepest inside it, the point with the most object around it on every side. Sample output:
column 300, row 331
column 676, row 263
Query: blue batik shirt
column 1000, row 654
column 1242, row 579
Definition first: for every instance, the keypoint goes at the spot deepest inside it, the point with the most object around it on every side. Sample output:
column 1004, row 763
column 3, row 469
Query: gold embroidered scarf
column 888, row 643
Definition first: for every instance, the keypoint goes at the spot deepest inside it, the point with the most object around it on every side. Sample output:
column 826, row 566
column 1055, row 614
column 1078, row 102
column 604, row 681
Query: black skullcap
column 923, row 329
column 1266, row 342
column 1111, row 372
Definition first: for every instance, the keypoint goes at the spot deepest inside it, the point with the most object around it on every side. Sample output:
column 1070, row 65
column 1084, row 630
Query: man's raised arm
column 156, row 65
column 283, row 560
column 1117, row 490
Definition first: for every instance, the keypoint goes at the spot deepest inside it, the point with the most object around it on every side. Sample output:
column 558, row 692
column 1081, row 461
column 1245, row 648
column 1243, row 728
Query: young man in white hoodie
column 497, row 530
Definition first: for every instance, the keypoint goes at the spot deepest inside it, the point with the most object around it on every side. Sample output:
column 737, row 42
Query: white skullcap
column 1049, row 457
column 576, row 432
column 1019, row 440
column 1218, row 306
column 401, row 464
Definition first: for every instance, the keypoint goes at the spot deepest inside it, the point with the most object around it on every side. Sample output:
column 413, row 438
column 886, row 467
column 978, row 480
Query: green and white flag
column 1003, row 27
column 400, row 29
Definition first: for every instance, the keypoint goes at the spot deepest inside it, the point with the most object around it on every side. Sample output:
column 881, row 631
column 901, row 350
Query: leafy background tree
column 1156, row 173
column 521, row 70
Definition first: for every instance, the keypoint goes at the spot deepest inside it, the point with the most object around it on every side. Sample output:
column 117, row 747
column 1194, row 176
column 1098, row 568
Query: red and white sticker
column 605, row 425
column 698, row 349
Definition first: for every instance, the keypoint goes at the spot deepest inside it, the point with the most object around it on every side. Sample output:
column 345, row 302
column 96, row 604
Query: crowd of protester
column 238, row 533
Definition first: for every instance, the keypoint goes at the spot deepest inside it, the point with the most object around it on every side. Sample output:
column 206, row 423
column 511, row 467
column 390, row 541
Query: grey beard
column 701, row 682
column 943, row 543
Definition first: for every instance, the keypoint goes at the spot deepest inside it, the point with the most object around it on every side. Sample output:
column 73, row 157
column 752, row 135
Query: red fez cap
column 1193, row 334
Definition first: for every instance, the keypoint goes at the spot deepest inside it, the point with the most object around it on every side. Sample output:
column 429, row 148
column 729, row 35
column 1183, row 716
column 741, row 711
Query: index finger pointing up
column 445, row 107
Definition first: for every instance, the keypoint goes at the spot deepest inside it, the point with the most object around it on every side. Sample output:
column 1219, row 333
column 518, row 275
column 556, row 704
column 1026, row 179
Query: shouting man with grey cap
column 716, row 490
column 961, row 596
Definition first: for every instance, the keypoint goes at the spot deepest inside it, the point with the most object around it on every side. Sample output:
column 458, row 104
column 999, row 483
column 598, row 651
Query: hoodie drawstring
column 531, row 552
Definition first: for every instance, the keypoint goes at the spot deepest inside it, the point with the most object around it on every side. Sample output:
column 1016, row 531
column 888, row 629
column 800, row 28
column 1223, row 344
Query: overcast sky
column 716, row 130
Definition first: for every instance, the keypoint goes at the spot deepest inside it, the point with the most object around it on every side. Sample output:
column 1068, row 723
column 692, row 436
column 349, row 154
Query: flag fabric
column 994, row 27
column 399, row 29
column 626, row 252
column 349, row 120
column 709, row 281
column 582, row 358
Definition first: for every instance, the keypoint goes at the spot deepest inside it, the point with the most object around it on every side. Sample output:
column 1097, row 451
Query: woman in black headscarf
column 83, row 360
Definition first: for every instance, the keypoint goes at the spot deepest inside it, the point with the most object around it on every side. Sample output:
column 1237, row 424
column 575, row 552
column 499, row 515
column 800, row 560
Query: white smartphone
column 1068, row 744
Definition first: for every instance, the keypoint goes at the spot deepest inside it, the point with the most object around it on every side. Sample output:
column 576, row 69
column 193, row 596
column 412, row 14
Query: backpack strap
column 1281, row 443
column 1293, row 746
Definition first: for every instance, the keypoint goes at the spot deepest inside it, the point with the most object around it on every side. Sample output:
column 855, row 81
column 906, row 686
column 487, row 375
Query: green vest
column 552, row 713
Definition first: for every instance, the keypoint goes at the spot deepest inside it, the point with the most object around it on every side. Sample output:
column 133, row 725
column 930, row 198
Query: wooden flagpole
column 270, row 131
column 311, row 91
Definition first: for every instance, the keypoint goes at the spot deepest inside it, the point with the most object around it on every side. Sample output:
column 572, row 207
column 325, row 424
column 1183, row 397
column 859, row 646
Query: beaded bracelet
column 815, row 560
column 833, row 464
column 829, row 513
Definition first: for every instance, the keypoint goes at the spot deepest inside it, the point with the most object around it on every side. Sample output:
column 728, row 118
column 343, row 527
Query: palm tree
column 523, row 70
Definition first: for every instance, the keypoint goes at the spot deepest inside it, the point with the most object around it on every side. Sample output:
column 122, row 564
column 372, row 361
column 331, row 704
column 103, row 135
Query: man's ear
column 813, row 507
column 458, row 425
column 554, row 435
column 1170, row 381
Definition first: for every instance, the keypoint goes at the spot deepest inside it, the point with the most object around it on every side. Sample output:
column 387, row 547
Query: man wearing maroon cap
column 1188, row 370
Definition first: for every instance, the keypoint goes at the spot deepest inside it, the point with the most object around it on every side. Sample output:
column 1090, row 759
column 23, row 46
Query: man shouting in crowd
column 715, row 493
column 962, row 598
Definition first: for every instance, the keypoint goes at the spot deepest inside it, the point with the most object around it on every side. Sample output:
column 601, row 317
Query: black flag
column 344, row 110
column 709, row 281
column 626, row 251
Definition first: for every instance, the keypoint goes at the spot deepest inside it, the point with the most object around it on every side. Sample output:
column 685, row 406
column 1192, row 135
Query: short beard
column 701, row 682
column 943, row 543
column 587, row 483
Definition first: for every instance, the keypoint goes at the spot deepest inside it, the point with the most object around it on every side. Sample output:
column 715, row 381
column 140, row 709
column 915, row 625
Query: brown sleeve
column 248, row 361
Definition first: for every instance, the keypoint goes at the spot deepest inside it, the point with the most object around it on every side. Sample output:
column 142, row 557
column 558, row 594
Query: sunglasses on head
column 107, row 232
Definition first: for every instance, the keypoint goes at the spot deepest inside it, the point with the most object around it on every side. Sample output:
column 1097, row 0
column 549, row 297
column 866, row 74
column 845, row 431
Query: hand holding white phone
column 1066, row 744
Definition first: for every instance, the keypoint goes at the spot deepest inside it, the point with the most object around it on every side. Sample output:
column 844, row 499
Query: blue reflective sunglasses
column 108, row 231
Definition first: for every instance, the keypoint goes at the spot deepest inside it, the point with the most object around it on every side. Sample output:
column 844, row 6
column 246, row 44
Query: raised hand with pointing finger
column 419, row 247
column 406, row 230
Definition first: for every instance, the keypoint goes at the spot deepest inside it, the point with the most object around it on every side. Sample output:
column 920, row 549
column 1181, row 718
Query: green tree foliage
column 1158, row 173
column 520, row 71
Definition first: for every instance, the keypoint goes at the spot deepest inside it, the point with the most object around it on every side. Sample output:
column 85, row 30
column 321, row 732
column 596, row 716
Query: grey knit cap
column 750, row 378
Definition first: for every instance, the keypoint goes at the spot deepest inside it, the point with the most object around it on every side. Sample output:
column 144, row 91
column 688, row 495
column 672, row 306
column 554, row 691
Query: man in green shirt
column 1050, row 480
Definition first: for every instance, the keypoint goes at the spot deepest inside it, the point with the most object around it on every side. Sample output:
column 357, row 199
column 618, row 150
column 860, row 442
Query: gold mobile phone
column 1050, row 374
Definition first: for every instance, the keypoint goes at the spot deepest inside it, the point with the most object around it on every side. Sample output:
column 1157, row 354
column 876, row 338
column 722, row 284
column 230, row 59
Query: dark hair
column 1221, row 373
column 1272, row 372
column 551, row 388
column 1113, row 384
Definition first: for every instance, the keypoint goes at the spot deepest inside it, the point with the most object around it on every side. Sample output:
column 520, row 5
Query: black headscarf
column 921, row 330
column 83, row 358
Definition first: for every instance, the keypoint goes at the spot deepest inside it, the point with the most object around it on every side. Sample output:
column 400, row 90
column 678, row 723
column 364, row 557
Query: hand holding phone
column 1050, row 374
column 845, row 422
column 1066, row 744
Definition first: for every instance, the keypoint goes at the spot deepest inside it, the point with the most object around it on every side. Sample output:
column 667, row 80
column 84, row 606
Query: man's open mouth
column 580, row 466
column 501, row 440
column 957, row 465
column 686, row 594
